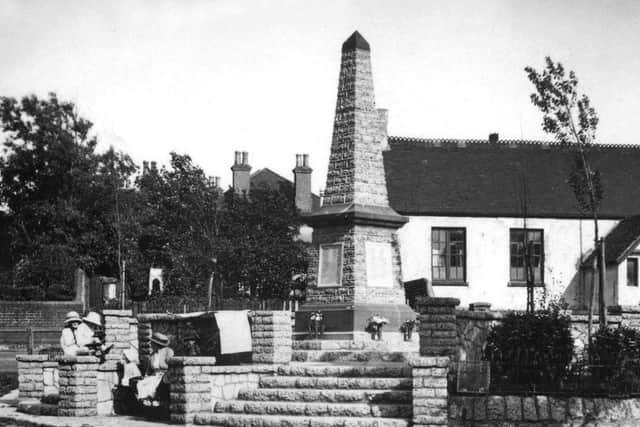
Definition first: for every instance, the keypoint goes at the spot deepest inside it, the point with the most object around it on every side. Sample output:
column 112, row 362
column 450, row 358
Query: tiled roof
column 480, row 178
column 622, row 239
column 270, row 179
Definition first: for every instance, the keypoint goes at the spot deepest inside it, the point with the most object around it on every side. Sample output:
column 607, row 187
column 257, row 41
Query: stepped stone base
column 321, row 395
column 294, row 421
column 350, row 356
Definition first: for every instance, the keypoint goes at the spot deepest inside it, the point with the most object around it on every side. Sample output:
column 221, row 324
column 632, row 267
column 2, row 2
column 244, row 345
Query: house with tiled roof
column 468, row 201
column 457, row 214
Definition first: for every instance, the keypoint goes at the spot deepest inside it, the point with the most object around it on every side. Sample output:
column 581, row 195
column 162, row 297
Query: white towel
column 235, row 332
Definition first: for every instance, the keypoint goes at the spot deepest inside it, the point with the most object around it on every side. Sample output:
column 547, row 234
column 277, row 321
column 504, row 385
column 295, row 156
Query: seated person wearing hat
column 76, row 336
column 92, row 323
column 154, row 387
column 79, row 335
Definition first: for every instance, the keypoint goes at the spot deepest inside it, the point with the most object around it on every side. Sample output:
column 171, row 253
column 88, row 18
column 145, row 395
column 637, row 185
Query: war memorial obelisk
column 355, row 270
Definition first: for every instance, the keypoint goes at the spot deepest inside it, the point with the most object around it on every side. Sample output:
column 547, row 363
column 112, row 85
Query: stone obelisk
column 355, row 271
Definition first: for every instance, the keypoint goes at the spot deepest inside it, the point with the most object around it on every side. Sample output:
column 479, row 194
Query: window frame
column 635, row 261
column 340, row 266
column 523, row 283
column 450, row 282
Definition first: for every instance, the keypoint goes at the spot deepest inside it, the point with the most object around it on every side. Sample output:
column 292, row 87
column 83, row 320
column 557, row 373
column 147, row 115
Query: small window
column 448, row 259
column 330, row 267
column 632, row 271
column 526, row 246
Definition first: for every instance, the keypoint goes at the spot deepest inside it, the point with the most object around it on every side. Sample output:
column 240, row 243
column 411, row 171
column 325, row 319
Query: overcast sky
column 211, row 77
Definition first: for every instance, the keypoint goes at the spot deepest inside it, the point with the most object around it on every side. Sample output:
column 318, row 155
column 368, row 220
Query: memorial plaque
column 330, row 273
column 379, row 265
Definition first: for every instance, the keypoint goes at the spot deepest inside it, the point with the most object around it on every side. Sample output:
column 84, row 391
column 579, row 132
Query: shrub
column 530, row 351
column 615, row 352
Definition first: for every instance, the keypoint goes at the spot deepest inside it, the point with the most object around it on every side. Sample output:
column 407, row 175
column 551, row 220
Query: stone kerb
column 430, row 396
column 31, row 375
column 271, row 336
column 438, row 333
column 78, row 386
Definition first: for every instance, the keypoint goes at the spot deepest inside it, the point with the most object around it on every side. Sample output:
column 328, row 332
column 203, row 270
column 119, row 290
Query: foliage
column 617, row 352
column 192, row 230
column 70, row 206
column 530, row 348
column 569, row 116
column 259, row 255
column 58, row 190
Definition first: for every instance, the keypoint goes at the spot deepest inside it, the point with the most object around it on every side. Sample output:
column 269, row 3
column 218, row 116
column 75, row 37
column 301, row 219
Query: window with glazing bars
column 632, row 271
column 448, row 254
column 533, row 241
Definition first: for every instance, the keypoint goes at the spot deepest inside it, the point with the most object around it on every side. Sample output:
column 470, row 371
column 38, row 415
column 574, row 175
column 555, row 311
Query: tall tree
column 569, row 116
column 58, row 190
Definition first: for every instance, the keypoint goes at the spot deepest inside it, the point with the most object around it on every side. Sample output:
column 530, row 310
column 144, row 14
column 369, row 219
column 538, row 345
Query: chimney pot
column 494, row 137
column 154, row 166
column 145, row 167
column 241, row 173
column 302, row 183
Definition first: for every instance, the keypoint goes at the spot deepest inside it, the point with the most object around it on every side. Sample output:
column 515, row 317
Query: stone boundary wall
column 473, row 327
column 271, row 336
column 430, row 390
column 78, row 386
column 542, row 411
column 36, row 314
column 197, row 384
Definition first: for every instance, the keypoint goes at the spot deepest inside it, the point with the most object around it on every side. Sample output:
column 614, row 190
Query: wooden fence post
column 30, row 340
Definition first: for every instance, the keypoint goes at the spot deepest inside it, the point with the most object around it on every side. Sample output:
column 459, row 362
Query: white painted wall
column 488, row 256
column 627, row 295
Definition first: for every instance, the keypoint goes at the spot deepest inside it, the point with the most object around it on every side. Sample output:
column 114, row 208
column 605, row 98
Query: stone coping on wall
column 150, row 317
column 542, row 410
column 437, row 301
column 32, row 357
column 221, row 369
column 67, row 360
column 479, row 315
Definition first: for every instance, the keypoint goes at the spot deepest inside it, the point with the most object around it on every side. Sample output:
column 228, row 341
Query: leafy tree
column 193, row 230
column 261, row 254
column 569, row 116
column 59, row 191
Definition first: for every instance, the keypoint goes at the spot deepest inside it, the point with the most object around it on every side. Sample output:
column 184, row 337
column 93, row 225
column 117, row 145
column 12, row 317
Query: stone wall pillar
column 438, row 334
column 121, row 330
column 430, row 396
column 31, row 375
column 78, row 386
column 190, row 387
column 271, row 336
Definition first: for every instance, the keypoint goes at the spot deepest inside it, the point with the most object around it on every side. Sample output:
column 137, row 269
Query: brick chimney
column 241, row 172
column 302, row 180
